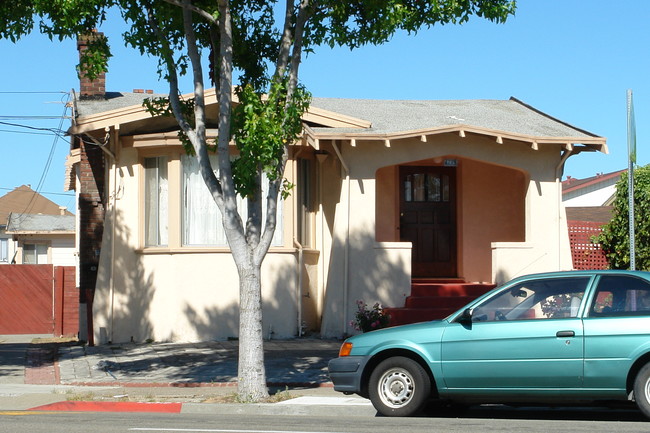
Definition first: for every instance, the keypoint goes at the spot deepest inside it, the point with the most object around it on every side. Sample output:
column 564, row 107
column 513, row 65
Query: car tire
column 642, row 390
column 399, row 386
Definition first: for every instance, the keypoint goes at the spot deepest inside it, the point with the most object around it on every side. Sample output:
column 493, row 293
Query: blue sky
column 573, row 59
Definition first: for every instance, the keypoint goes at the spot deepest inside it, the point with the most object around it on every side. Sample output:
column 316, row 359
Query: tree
column 615, row 236
column 240, row 36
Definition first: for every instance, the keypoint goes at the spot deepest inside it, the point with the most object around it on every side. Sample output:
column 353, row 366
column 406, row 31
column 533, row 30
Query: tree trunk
column 251, row 371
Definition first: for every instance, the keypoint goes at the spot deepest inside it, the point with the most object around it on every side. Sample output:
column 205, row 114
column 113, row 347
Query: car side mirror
column 466, row 316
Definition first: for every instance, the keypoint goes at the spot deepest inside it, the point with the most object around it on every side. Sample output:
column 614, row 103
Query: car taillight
column 345, row 350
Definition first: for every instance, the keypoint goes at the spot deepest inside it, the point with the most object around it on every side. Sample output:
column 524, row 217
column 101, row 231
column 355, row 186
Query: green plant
column 615, row 236
column 368, row 319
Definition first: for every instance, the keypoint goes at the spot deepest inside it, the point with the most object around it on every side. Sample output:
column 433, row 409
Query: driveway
column 13, row 350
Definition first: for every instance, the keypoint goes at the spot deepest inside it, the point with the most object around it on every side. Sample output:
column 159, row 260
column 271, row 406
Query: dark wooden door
column 428, row 219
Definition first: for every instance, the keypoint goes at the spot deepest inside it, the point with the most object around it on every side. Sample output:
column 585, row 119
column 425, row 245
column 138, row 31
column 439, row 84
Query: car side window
column 621, row 295
column 551, row 298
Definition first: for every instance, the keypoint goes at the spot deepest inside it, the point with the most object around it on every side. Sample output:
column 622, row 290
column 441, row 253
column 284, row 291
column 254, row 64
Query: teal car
column 563, row 337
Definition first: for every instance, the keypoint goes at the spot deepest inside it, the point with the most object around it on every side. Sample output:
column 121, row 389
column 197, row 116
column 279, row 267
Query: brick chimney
column 90, row 89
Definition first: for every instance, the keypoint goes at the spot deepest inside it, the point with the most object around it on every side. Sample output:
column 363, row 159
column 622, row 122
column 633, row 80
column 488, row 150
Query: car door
column 529, row 335
column 617, row 326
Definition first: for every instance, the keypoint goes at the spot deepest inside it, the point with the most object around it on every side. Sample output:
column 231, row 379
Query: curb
column 197, row 384
column 91, row 406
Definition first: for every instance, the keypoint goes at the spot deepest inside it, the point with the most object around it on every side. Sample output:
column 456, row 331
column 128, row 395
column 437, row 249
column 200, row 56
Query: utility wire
column 48, row 164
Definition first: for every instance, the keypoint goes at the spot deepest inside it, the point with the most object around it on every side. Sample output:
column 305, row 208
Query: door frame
column 452, row 171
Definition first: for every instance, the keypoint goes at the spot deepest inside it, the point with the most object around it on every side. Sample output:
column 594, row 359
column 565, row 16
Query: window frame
column 175, row 178
column 4, row 250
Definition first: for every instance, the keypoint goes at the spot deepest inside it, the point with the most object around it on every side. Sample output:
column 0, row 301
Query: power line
column 18, row 92
column 26, row 117
column 65, row 194
column 55, row 131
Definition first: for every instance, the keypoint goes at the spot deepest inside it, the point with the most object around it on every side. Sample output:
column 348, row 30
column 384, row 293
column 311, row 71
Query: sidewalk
column 190, row 377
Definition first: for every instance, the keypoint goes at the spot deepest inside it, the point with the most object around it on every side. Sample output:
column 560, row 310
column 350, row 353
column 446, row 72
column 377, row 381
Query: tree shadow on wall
column 374, row 274
column 299, row 362
column 122, row 307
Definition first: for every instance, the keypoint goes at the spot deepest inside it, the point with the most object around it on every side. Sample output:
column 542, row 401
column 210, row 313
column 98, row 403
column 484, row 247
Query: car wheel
column 642, row 390
column 399, row 386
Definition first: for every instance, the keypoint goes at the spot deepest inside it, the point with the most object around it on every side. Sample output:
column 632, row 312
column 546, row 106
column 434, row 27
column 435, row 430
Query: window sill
column 208, row 250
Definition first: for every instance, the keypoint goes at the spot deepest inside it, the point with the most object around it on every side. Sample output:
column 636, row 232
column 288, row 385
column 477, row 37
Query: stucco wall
column 179, row 294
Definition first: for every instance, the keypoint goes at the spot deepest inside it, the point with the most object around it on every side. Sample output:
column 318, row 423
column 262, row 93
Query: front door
column 428, row 219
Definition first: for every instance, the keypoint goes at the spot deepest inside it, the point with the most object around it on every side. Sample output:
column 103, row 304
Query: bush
column 366, row 319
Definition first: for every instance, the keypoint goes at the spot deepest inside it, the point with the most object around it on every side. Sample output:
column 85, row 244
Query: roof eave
column 594, row 142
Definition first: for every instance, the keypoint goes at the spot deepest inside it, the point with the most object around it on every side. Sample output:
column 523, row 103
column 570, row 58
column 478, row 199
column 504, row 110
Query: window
column 619, row 295
column 201, row 220
column 557, row 298
column 4, row 250
column 34, row 254
column 303, row 192
column 426, row 187
column 156, row 201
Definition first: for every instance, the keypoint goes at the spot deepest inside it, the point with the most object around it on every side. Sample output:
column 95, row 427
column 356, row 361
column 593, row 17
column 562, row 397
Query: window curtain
column 202, row 222
column 156, row 201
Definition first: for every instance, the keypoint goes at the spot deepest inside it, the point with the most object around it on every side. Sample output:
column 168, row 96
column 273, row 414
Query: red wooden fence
column 585, row 253
column 38, row 299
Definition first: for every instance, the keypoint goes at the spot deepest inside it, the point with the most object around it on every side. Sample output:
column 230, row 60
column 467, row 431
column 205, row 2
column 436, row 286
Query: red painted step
column 435, row 299
column 474, row 290
column 454, row 302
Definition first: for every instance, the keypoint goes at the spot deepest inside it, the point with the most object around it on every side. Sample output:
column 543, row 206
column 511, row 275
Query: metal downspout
column 559, row 169
column 346, row 253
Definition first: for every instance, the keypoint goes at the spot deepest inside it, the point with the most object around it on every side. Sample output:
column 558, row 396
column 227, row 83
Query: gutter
column 559, row 169
column 346, row 254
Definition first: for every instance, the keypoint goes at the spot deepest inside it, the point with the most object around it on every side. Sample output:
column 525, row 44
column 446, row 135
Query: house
column 387, row 193
column 590, row 199
column 35, row 230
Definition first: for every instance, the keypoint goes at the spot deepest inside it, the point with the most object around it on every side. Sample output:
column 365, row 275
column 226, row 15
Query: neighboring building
column 43, row 239
column 588, row 204
column 595, row 191
column 31, row 230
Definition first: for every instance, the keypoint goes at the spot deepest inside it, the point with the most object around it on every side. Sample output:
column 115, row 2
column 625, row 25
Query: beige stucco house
column 386, row 192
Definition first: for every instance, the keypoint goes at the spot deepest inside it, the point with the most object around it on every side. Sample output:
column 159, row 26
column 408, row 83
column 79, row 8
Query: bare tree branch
column 191, row 7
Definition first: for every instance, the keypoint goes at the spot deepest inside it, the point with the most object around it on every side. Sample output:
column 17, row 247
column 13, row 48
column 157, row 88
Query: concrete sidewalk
column 192, row 377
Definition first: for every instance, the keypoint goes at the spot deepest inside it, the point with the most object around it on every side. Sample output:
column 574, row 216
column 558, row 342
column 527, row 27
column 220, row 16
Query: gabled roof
column 25, row 200
column 502, row 119
column 571, row 184
column 23, row 224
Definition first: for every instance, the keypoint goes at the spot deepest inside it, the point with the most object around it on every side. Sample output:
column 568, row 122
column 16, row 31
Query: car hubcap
column 647, row 391
column 396, row 388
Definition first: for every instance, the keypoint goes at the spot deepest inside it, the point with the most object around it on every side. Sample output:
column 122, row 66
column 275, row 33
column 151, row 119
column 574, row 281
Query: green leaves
column 615, row 237
column 263, row 127
column 355, row 23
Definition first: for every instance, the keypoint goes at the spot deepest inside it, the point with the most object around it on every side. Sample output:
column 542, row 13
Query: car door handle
column 562, row 334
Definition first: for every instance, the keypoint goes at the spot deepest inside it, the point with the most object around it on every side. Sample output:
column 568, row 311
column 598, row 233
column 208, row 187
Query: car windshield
column 551, row 298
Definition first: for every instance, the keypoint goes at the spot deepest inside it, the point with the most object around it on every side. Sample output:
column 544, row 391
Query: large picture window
column 201, row 220
column 156, row 201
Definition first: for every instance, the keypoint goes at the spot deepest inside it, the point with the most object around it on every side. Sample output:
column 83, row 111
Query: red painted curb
column 110, row 406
